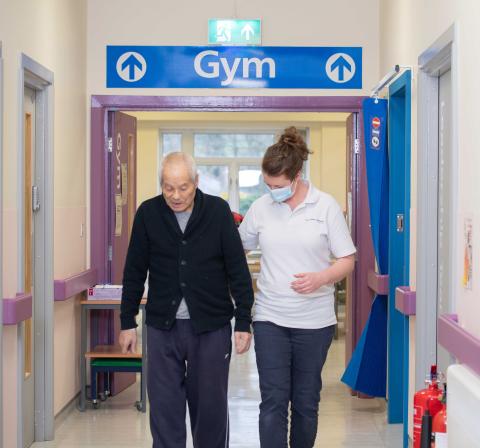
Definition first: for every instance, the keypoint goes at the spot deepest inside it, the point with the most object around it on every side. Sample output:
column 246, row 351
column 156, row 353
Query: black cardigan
column 206, row 265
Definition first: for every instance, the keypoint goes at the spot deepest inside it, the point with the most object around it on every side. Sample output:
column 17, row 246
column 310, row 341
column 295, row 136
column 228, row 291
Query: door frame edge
column 34, row 75
column 1, row 245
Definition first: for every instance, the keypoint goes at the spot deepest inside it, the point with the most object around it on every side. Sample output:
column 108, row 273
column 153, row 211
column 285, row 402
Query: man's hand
column 308, row 282
column 128, row 340
column 242, row 341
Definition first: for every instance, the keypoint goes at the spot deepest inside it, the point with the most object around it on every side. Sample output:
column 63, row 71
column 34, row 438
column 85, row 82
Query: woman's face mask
column 282, row 194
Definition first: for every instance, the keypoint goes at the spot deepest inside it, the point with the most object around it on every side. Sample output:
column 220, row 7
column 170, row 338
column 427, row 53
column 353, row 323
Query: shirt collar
column 312, row 194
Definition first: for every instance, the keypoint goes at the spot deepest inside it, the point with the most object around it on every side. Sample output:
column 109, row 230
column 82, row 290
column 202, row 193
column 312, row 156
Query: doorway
column 102, row 105
column 35, row 264
column 437, row 200
column 101, row 213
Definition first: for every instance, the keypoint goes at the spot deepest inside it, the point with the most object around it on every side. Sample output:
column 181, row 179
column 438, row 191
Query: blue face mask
column 282, row 194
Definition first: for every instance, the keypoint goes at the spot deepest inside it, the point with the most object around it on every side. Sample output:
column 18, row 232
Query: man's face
column 178, row 188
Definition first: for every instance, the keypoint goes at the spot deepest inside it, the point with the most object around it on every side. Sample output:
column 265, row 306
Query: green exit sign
column 234, row 32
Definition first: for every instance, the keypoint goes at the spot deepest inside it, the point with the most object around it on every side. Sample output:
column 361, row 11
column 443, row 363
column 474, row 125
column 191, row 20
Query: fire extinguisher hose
column 426, row 436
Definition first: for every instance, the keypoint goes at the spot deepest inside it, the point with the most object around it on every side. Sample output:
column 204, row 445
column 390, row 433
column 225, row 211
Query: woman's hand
column 309, row 282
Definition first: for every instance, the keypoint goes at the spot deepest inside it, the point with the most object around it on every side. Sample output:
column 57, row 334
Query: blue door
column 399, row 244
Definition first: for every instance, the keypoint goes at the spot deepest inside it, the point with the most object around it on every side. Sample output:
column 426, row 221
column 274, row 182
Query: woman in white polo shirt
column 299, row 230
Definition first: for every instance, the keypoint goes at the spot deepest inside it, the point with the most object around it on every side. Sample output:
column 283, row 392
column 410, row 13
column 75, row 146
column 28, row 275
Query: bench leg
column 94, row 386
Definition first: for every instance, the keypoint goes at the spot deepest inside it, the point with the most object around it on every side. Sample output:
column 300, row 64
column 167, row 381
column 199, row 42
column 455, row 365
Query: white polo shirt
column 293, row 242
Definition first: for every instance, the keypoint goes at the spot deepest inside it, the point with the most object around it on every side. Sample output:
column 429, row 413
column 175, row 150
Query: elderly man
column 188, row 243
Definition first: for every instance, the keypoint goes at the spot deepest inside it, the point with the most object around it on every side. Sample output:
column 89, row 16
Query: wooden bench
column 109, row 358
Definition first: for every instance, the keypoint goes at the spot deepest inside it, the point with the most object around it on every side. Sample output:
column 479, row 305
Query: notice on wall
column 118, row 214
column 124, row 184
column 468, row 253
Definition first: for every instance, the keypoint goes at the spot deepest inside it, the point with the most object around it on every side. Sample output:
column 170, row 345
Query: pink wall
column 67, row 352
column 69, row 247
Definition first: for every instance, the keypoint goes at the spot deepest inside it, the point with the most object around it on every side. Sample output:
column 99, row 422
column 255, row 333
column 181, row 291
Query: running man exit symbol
column 340, row 68
column 224, row 31
column 131, row 66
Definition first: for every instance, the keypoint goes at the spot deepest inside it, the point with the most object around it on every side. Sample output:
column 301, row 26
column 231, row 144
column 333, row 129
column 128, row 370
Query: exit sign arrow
column 247, row 30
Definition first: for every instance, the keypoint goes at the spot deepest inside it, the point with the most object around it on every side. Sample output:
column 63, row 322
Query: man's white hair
column 177, row 156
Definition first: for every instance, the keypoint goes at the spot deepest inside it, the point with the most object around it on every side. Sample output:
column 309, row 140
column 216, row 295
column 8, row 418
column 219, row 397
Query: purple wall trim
column 406, row 300
column 18, row 309
column 459, row 342
column 230, row 103
column 378, row 283
column 71, row 286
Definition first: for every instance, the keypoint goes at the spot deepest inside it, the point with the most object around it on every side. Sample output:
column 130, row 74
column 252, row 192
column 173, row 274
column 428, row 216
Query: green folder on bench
column 116, row 362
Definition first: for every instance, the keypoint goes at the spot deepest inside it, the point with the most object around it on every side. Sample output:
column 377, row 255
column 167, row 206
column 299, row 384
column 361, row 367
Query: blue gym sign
column 215, row 67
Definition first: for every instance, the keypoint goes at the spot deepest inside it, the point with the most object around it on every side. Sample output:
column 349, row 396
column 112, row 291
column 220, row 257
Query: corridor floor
column 344, row 421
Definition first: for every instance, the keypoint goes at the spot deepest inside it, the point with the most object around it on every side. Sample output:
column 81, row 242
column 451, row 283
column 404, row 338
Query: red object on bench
column 238, row 218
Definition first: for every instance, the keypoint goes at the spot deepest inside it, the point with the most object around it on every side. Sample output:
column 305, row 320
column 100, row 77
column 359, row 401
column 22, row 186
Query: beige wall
column 408, row 28
column 327, row 140
column 183, row 22
column 333, row 164
column 51, row 32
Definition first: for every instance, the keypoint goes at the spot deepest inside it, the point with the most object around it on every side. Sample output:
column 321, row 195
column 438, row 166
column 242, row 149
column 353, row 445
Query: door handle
column 35, row 199
column 400, row 222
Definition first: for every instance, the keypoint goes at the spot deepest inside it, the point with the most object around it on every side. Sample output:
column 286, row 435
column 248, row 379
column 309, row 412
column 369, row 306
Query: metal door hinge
column 35, row 199
column 110, row 253
column 356, row 146
column 110, row 144
column 400, row 222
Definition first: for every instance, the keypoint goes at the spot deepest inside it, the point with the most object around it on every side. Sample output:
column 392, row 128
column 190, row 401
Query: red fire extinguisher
column 439, row 423
column 425, row 399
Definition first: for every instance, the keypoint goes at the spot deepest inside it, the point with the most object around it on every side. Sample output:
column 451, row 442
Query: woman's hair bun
column 287, row 156
column 291, row 136
column 294, row 140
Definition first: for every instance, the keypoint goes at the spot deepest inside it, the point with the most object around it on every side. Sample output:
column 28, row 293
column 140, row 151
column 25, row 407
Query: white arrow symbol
column 248, row 31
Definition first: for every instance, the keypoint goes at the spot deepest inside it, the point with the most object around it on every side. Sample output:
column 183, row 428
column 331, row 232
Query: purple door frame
column 102, row 104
